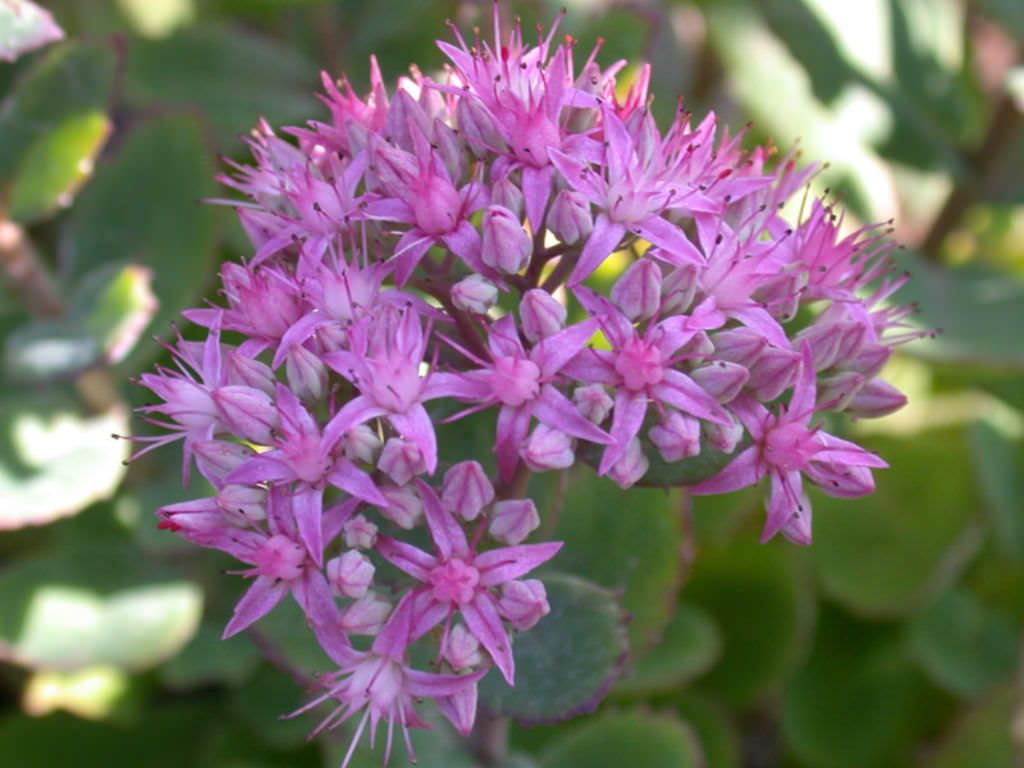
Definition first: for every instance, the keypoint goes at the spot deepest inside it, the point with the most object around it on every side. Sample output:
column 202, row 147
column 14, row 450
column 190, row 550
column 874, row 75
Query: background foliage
column 894, row 640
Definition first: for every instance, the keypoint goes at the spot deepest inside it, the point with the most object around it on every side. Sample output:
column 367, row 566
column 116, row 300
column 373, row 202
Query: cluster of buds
column 419, row 248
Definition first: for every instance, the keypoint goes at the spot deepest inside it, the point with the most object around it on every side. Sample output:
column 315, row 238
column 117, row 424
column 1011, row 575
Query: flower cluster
column 420, row 247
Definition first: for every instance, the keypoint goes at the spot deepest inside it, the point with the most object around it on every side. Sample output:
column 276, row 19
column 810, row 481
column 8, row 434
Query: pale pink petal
column 556, row 410
column 256, row 603
column 513, row 424
column 671, row 238
column 358, row 410
column 483, row 621
column 784, row 501
column 307, row 506
column 406, row 557
column 415, row 425
column 761, row 320
column 497, row 566
column 553, row 352
column 746, row 469
column 264, row 468
column 351, row 478
column 536, row 184
column 445, row 530
column 680, row 391
column 627, row 418
column 580, row 176
column 592, row 366
column 602, row 241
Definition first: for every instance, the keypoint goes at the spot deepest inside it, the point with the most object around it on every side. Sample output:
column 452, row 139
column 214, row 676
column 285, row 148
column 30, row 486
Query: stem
column 488, row 740
column 559, row 273
column 273, row 654
column 25, row 273
column 468, row 332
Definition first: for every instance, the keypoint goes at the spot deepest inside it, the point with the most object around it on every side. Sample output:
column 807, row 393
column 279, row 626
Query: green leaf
column 604, row 529
column 761, row 599
column 962, row 644
column 71, row 81
column 56, row 164
column 263, row 700
column 630, row 738
column 999, row 468
column 54, row 458
column 565, row 664
column 92, row 601
column 927, row 519
column 286, row 632
column 689, row 645
column 45, row 351
column 857, row 701
column 983, row 737
column 142, row 209
column 208, row 659
column 717, row 735
column 229, row 75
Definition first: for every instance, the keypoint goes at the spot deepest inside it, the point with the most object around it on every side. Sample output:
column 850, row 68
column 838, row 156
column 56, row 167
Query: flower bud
column 249, row 413
column 548, row 448
column 631, row 467
column 460, row 708
column 366, row 615
column 466, row 490
column 351, row 574
column 724, row 438
column 637, row 292
column 798, row 528
column 523, row 603
column 404, row 507
column 250, row 373
column 720, row 379
column 773, row 373
column 835, row 392
column 474, row 294
column 698, row 346
column 306, row 373
column 569, row 218
column 876, row 398
column 739, row 345
column 217, row 458
column 463, row 649
column 541, row 314
column 243, row 504
column 360, row 443
column 869, row 359
column 782, row 294
column 593, row 401
column 401, row 460
column 513, row 520
column 678, row 288
column 677, row 437
column 842, row 481
column 359, row 533
column 507, row 193
column 505, row 245
column 824, row 339
column 450, row 148
column 477, row 126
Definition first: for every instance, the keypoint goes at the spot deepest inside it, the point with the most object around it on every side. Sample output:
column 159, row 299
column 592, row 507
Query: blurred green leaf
column 262, row 702
column 565, row 664
column 983, row 737
column 857, row 701
column 886, row 554
column 605, row 530
column 962, row 644
column 92, row 601
column 629, row 738
column 44, row 351
column 143, row 209
column 761, row 598
column 208, row 659
column 689, row 645
column 718, row 736
column 998, row 464
column 54, row 458
column 229, row 75
column 284, row 632
column 56, row 164
column 70, row 81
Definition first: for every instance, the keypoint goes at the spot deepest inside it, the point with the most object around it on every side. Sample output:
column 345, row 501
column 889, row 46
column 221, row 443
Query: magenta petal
column 393, row 638
column 580, row 176
column 334, row 519
column 592, row 366
column 299, row 332
column 358, row 410
column 746, row 469
column 513, row 424
column 759, row 319
column 602, row 241
column 460, row 386
column 680, row 391
column 536, row 186
column 256, row 603
column 671, row 239
column 415, row 425
column 432, row 685
column 296, row 421
column 497, row 566
column 503, row 338
column 313, row 594
column 464, row 241
column 552, row 353
column 445, row 531
column 627, row 418
column 307, row 506
column 406, row 557
column 556, row 410
column 264, row 468
column 428, row 613
column 784, row 501
column 801, row 406
column 351, row 478
column 842, row 451
column 484, row 622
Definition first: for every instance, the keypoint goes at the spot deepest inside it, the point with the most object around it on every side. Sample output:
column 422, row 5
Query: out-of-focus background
column 893, row 641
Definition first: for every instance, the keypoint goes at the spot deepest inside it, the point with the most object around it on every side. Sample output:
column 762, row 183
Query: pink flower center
column 790, row 447
column 535, row 132
column 640, row 364
column 281, row 558
column 436, row 206
column 454, row 581
column 515, row 380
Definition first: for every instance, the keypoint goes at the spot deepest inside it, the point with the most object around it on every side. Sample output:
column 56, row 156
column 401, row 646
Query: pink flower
column 785, row 447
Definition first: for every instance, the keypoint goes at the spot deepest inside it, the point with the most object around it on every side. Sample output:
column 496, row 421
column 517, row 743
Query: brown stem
column 273, row 654
column 488, row 740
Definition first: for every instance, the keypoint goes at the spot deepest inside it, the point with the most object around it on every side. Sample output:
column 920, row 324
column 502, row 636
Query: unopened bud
column 548, row 448
column 360, row 443
column 541, row 314
column 366, row 615
column 632, row 466
column 506, row 192
column 401, row 460
column 351, row 574
column 569, row 218
column 505, row 245
column 677, row 437
column 513, row 520
column 250, row 373
column 637, row 292
column 477, row 127
column 593, row 401
column 720, row 379
column 217, row 458
column 460, row 708
column 243, row 504
column 876, row 398
column 842, row 480
column 463, row 650
column 359, row 533
column 450, row 148
column 306, row 373
column 404, row 507
column 724, row 438
column 678, row 288
column 474, row 294
column 249, row 413
column 835, row 392
column 870, row 359
column 739, row 345
column 524, row 603
column 773, row 373
column 466, row 490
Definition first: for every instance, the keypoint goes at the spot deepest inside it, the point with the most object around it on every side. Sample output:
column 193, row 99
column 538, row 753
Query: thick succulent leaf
column 604, row 528
column 982, row 737
column 54, row 458
column 165, row 230
column 857, row 674
column 718, row 736
column 761, row 599
column 92, row 600
column 628, row 738
column 927, row 520
column 998, row 463
column 566, row 663
column 688, row 647
column 962, row 644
